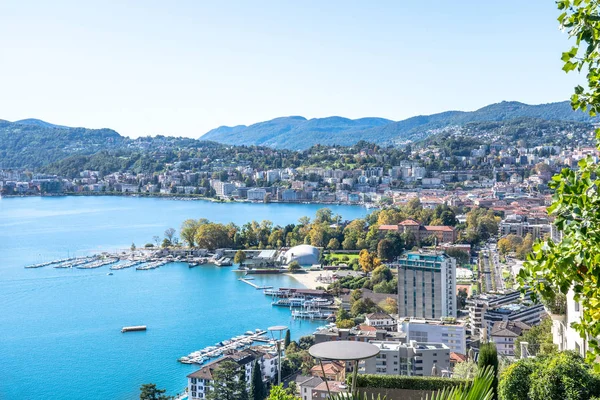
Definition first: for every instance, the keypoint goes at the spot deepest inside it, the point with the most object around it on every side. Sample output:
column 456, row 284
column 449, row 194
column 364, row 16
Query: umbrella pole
column 325, row 378
column 354, row 376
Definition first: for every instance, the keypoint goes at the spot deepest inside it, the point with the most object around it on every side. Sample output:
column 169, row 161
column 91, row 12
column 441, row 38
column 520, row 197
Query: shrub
column 488, row 357
column 407, row 382
column 515, row 381
column 564, row 376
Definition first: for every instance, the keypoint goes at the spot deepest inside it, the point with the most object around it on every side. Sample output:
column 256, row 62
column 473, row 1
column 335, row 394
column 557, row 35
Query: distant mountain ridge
column 298, row 133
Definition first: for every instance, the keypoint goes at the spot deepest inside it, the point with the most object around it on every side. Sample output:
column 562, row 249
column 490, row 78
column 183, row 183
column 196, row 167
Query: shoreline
column 182, row 197
column 308, row 278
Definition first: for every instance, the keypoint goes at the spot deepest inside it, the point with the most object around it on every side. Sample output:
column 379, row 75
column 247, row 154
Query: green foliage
column 287, row 340
column 257, row 386
column 229, row 383
column 515, row 380
column 465, row 370
column 279, row 393
column 365, row 381
column 240, row 257
column 488, row 361
column 574, row 263
column 539, row 339
column 480, row 389
column 354, row 396
column 294, row 266
column 560, row 376
column 149, row 391
column 381, row 274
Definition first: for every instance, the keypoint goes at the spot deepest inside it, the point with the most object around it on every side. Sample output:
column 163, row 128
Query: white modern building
column 304, row 254
column 380, row 320
column 565, row 337
column 448, row 332
column 426, row 285
column 409, row 359
column 257, row 194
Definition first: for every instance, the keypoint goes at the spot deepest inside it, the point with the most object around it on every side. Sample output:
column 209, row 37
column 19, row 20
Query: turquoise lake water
column 60, row 328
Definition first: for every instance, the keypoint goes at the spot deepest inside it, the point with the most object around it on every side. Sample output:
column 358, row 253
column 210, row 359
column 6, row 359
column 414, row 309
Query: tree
column 333, row 244
column 465, row 370
column 539, row 339
column 323, row 215
column 212, row 236
column 240, row 257
column 287, row 340
column 228, row 383
column 488, row 358
column 368, row 261
column 257, row 386
column 363, row 306
column 573, row 263
column 515, row 381
column 279, row 393
column 381, row 274
column 170, row 234
column 149, row 391
column 389, row 305
column 561, row 376
column 188, row 231
column 294, row 266
column 345, row 324
column 133, row 247
column 385, row 250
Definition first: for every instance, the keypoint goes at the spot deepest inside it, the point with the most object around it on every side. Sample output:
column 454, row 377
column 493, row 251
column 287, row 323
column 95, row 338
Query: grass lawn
column 341, row 255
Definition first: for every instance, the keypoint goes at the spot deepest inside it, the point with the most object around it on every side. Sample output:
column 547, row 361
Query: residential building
column 256, row 194
column 444, row 234
column 447, row 331
column 478, row 305
column 334, row 371
column 504, row 333
column 201, row 381
column 530, row 314
column 426, row 285
column 564, row 336
column 381, row 320
column 306, row 385
column 322, row 390
column 410, row 359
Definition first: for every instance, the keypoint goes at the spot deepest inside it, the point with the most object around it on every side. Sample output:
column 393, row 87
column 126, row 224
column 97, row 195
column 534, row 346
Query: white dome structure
column 305, row 254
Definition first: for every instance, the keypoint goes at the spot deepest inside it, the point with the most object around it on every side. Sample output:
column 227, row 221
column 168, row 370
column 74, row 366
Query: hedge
column 408, row 382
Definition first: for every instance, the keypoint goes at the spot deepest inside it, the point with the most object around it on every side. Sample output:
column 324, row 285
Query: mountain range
column 35, row 143
column 299, row 133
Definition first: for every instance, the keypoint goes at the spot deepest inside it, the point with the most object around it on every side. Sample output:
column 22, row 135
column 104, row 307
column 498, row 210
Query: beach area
column 309, row 278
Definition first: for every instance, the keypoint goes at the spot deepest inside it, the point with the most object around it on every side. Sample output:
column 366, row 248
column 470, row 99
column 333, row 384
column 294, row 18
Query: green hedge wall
column 407, row 382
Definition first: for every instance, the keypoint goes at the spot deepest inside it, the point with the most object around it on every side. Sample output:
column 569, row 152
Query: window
column 577, row 307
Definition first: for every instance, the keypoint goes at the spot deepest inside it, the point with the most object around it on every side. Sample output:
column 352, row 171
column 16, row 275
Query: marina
column 216, row 351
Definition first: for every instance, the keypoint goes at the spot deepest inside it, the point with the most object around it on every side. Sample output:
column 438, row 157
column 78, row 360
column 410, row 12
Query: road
column 491, row 269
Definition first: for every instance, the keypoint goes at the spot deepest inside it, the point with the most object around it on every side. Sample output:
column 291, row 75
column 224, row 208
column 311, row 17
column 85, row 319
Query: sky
column 182, row 68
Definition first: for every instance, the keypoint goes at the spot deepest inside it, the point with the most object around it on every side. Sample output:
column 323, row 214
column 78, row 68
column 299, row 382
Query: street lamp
column 273, row 330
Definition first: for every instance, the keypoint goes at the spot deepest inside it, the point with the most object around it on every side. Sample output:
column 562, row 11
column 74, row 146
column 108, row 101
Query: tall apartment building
column 450, row 333
column 409, row 359
column 426, row 285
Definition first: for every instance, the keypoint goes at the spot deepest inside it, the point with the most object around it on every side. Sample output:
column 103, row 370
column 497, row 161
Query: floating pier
column 133, row 328
column 254, row 285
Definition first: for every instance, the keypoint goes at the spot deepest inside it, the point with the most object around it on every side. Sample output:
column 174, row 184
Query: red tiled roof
column 409, row 222
column 457, row 357
column 388, row 227
column 439, row 228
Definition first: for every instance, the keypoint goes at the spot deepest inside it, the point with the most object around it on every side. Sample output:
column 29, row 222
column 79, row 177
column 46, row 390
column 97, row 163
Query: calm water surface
column 60, row 329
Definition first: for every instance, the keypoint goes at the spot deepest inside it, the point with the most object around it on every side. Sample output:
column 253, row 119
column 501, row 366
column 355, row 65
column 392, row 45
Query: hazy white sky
column 185, row 67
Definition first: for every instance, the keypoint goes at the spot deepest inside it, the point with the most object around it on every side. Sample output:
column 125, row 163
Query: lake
column 60, row 328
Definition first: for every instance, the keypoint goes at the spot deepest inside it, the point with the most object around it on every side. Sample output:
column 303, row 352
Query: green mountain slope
column 299, row 133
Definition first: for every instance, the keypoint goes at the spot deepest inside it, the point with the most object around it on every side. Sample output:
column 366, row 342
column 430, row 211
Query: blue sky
column 185, row 67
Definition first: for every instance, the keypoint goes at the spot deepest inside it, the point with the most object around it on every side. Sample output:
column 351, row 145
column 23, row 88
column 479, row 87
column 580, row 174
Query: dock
column 133, row 328
column 254, row 285
column 202, row 356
